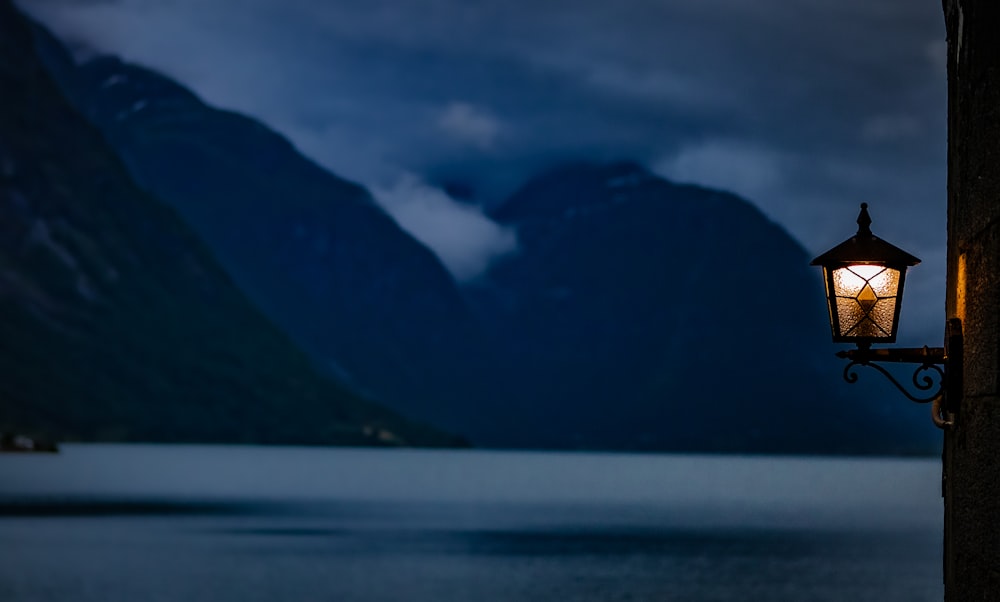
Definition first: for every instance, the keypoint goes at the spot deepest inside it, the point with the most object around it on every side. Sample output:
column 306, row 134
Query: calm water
column 107, row 523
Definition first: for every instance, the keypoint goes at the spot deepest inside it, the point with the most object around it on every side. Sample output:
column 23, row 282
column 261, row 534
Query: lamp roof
column 865, row 247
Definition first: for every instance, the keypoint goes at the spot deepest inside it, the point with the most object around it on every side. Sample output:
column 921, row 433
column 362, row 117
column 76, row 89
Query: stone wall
column 972, row 446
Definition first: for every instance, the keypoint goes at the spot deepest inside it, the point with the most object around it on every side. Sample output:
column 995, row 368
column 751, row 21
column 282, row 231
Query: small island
column 13, row 442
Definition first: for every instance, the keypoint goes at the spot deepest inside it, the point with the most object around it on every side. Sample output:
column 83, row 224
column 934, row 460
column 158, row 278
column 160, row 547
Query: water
column 108, row 523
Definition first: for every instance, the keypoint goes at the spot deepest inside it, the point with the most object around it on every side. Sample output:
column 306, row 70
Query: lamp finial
column 864, row 221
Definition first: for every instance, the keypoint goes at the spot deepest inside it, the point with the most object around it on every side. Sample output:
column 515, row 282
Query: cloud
column 468, row 124
column 937, row 53
column 71, row 3
column 463, row 238
column 748, row 169
column 805, row 108
column 890, row 127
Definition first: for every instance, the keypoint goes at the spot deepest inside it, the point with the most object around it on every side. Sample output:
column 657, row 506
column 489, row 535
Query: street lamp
column 864, row 278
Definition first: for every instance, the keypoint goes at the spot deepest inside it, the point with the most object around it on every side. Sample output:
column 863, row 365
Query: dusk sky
column 806, row 108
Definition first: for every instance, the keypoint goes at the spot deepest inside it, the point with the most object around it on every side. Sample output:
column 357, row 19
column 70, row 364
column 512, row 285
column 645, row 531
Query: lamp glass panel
column 848, row 313
column 865, row 297
column 883, row 313
column 846, row 283
column 884, row 283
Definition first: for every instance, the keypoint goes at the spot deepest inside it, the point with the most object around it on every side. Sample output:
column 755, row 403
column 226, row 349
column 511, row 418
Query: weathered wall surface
column 972, row 447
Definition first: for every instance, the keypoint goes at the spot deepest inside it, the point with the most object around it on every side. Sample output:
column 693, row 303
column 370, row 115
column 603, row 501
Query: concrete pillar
column 972, row 446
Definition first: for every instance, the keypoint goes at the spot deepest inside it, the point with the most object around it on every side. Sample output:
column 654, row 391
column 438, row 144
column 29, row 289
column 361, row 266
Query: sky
column 804, row 107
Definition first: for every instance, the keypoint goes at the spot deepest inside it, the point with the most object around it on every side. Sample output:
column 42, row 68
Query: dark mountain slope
column 638, row 315
column 313, row 251
column 652, row 315
column 117, row 323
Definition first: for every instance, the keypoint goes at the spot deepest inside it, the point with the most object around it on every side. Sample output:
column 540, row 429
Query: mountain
column 371, row 304
column 646, row 314
column 117, row 322
column 638, row 314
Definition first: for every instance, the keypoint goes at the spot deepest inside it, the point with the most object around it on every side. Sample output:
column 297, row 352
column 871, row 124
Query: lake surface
column 147, row 523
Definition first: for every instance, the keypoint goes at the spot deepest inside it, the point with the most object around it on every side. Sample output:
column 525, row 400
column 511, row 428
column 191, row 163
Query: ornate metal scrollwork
column 929, row 382
column 922, row 379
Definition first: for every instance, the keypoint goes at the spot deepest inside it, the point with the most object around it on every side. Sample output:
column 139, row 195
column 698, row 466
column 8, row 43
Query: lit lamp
column 864, row 286
column 864, row 278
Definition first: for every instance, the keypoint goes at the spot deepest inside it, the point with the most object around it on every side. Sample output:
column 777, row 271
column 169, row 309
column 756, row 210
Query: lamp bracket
column 928, row 378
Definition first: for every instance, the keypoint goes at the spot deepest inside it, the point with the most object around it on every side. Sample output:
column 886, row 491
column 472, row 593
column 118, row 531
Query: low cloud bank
column 464, row 238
